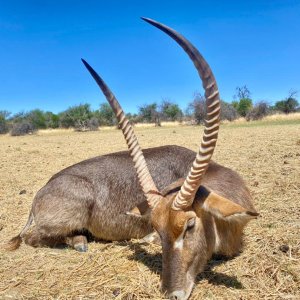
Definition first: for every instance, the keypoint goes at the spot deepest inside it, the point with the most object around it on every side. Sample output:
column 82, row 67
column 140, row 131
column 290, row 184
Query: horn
column 144, row 176
column 185, row 196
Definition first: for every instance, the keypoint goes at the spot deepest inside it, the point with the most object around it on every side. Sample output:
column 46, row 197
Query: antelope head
column 182, row 213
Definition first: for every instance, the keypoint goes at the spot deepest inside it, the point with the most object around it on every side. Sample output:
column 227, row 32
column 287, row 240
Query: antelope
column 195, row 206
column 204, row 213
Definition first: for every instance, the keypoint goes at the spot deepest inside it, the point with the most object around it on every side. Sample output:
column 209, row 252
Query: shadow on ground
column 154, row 263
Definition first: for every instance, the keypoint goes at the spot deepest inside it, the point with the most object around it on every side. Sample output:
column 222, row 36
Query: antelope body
column 196, row 206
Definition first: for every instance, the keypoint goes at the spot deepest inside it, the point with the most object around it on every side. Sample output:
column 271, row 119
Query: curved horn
column 186, row 195
column 144, row 176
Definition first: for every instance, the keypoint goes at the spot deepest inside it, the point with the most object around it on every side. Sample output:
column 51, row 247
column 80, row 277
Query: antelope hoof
column 81, row 247
column 78, row 242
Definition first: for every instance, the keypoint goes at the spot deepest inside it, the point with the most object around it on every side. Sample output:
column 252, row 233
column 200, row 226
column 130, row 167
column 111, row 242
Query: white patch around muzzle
column 178, row 295
column 181, row 294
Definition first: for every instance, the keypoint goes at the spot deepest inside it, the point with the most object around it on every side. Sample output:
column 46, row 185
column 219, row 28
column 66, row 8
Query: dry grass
column 279, row 116
column 267, row 157
column 275, row 119
column 163, row 124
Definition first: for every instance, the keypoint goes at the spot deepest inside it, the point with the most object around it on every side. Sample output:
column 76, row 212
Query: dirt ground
column 268, row 157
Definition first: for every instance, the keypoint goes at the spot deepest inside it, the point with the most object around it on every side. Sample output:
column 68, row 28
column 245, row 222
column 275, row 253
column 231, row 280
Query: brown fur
column 13, row 243
column 95, row 194
column 218, row 228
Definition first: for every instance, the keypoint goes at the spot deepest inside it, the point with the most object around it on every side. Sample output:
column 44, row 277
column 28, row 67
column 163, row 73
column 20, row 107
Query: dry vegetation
column 269, row 267
column 273, row 119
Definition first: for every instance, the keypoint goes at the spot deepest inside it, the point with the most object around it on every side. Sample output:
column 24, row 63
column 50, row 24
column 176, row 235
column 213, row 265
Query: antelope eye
column 190, row 223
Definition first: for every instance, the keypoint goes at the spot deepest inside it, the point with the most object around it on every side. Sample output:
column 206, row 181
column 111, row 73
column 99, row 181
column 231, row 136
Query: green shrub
column 76, row 117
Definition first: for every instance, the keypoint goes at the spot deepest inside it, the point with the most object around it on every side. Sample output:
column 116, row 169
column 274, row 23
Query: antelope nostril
column 177, row 295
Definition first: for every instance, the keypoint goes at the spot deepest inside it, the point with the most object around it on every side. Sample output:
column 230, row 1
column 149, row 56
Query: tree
column 242, row 92
column 228, row 112
column 18, row 117
column 105, row 115
column 244, row 106
column 77, row 117
column 149, row 113
column 133, row 118
column 170, row 111
column 37, row 118
column 21, row 124
column 51, row 120
column 197, row 108
column 243, row 102
column 289, row 104
column 3, row 121
column 260, row 110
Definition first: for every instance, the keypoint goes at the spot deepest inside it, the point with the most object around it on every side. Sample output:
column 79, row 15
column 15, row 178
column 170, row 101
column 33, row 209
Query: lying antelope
column 196, row 206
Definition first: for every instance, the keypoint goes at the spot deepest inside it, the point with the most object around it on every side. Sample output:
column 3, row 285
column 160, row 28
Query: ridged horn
column 146, row 181
column 185, row 196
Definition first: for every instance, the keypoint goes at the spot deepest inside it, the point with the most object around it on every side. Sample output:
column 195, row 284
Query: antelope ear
column 223, row 208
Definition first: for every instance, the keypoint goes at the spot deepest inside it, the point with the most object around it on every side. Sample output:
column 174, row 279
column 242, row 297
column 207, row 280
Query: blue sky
column 256, row 43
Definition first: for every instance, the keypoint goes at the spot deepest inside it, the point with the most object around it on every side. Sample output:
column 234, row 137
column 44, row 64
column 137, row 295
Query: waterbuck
column 204, row 213
column 196, row 206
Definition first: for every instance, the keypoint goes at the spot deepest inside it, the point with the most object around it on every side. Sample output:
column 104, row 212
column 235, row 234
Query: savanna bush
column 22, row 128
column 228, row 112
column 259, row 111
column 4, row 125
column 93, row 124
